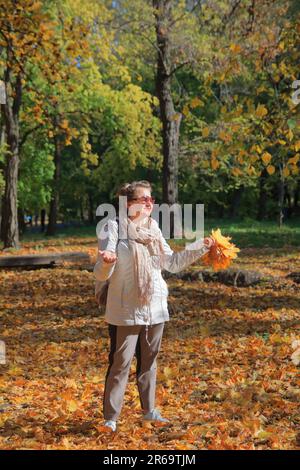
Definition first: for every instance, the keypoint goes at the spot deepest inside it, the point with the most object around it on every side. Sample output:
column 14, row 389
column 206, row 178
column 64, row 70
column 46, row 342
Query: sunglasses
column 144, row 199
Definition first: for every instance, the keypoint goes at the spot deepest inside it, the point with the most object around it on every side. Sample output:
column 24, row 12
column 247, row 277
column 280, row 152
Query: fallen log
column 47, row 260
column 231, row 276
column 294, row 276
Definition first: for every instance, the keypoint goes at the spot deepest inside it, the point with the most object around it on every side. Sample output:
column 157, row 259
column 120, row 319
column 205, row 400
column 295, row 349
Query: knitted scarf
column 145, row 241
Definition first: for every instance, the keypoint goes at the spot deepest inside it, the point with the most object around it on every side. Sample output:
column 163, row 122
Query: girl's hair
column 128, row 189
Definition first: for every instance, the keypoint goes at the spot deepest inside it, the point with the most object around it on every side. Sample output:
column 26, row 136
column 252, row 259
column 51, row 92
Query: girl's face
column 142, row 204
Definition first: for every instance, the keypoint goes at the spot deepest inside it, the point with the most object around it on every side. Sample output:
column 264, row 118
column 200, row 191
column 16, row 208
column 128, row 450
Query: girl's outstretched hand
column 108, row 256
column 209, row 242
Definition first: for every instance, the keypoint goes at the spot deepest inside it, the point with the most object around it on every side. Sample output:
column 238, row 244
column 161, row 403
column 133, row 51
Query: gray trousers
column 125, row 341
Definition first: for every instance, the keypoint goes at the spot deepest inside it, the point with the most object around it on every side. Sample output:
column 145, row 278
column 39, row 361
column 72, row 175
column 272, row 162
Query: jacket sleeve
column 103, row 271
column 177, row 261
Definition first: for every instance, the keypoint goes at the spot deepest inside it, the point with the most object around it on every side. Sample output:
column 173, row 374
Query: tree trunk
column 91, row 209
column 263, row 196
column 43, row 218
column 288, row 200
column 2, row 167
column 280, row 198
column 170, row 119
column 10, row 212
column 296, row 208
column 51, row 228
column 2, row 230
column 236, row 201
column 10, row 113
column 81, row 212
column 21, row 221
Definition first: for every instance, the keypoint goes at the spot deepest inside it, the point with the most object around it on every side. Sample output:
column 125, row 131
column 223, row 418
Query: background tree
column 26, row 32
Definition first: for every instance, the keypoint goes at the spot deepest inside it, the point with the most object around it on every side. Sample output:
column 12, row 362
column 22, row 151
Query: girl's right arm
column 106, row 259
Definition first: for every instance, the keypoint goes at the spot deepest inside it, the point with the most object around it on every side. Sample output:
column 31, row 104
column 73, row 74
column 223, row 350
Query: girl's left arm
column 177, row 261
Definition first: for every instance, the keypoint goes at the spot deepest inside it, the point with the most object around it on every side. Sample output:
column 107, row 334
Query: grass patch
column 244, row 233
column 251, row 233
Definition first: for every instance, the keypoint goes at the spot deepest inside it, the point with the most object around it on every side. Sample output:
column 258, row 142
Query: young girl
column 136, row 306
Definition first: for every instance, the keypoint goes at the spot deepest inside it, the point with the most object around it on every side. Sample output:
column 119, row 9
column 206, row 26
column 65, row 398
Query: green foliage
column 232, row 75
column 36, row 174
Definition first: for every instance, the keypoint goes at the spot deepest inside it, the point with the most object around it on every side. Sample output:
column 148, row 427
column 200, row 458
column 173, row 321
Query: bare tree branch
column 27, row 133
column 197, row 4
column 175, row 69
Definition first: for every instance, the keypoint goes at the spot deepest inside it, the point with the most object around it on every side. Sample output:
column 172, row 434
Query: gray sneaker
column 154, row 415
column 111, row 424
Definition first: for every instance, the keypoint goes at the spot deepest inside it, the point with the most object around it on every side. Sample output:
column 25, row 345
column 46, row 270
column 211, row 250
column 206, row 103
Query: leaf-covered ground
column 225, row 376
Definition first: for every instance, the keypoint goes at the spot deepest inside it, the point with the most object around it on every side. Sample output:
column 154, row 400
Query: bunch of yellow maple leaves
column 221, row 253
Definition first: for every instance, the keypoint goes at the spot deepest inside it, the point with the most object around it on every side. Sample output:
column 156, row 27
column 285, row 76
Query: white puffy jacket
column 121, row 307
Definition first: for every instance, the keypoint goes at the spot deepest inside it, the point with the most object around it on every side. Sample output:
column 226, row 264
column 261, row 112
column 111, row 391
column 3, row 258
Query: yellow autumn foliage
column 222, row 253
column 271, row 169
column 266, row 158
column 261, row 111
